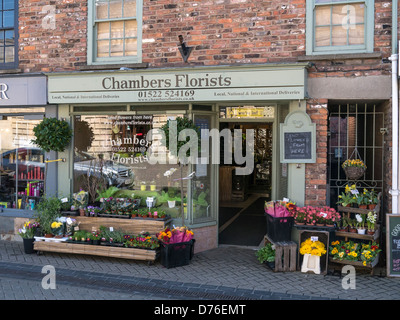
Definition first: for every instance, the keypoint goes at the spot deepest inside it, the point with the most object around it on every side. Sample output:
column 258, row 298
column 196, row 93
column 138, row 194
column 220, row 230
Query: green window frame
column 112, row 37
column 346, row 26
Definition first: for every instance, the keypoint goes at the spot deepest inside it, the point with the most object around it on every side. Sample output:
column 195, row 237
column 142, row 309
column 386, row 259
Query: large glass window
column 8, row 31
column 335, row 26
column 113, row 151
column 22, row 165
column 115, row 34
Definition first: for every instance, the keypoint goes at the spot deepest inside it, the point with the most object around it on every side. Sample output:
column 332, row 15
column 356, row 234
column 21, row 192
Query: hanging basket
column 354, row 173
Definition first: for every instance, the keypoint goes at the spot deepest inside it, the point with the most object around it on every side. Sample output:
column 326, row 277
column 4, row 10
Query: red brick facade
column 221, row 33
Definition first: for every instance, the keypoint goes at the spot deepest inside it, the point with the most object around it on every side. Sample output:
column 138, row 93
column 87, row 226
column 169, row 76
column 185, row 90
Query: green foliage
column 108, row 193
column 52, row 134
column 47, row 210
column 266, row 254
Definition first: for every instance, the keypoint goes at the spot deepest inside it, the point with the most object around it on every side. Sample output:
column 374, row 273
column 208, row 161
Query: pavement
column 226, row 273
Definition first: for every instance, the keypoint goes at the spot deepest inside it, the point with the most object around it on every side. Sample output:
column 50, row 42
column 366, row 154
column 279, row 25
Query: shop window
column 113, row 151
column 22, row 165
column 339, row 27
column 114, row 31
column 8, row 32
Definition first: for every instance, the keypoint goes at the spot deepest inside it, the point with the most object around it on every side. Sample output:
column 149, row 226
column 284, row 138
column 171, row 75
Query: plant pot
column 361, row 231
column 299, row 223
column 363, row 206
column 353, row 230
column 28, row 245
column 320, row 224
column 48, row 235
column 270, row 265
column 171, row 204
column 330, row 225
column 143, row 188
column 311, row 263
column 82, row 212
column 153, row 187
column 354, row 173
column 370, row 232
column 96, row 242
column 343, row 230
column 371, row 206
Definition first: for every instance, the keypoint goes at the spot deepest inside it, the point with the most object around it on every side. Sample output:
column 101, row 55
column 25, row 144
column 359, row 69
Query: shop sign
column 229, row 84
column 298, row 139
column 23, row 91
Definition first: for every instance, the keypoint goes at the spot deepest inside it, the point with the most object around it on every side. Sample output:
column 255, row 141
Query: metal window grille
column 355, row 126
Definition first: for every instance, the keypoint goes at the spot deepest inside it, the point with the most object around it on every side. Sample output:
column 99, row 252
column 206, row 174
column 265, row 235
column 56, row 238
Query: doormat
column 249, row 228
column 226, row 213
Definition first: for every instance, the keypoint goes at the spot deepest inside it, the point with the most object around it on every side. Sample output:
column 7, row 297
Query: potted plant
column 47, row 211
column 300, row 216
column 80, row 200
column 343, row 225
column 312, row 252
column 27, row 233
column 57, row 229
column 354, row 168
column 346, row 199
column 360, row 223
column 352, row 225
column 371, row 220
column 372, row 201
column 267, row 255
column 180, row 124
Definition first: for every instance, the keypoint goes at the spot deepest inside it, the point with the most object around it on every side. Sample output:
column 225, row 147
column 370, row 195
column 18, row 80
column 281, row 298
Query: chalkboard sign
column 298, row 138
column 393, row 245
column 298, row 145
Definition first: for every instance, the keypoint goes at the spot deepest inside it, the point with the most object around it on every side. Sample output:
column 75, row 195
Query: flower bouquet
column 28, row 230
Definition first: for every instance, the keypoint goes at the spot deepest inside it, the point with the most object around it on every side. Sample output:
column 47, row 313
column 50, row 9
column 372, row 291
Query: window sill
column 10, row 71
column 344, row 56
column 114, row 66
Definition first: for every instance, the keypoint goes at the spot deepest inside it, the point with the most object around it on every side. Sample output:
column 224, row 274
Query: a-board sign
column 393, row 245
column 298, row 145
column 298, row 139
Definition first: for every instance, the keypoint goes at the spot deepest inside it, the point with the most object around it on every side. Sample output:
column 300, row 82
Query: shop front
column 23, row 103
column 118, row 116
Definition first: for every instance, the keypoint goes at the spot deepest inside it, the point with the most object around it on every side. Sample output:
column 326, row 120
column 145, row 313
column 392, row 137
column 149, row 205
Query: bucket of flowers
column 27, row 233
column 177, row 246
column 312, row 250
column 354, row 168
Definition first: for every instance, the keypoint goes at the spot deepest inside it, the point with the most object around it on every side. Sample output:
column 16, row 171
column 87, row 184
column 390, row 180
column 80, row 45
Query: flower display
column 57, row 228
column 371, row 220
column 316, row 215
column 315, row 248
column 354, row 163
column 28, row 230
column 352, row 251
column 175, row 235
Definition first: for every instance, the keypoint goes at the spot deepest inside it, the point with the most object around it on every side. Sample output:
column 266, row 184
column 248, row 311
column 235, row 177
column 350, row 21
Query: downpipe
column 395, row 135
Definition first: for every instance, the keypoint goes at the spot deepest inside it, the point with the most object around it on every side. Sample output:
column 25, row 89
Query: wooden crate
column 96, row 250
column 285, row 255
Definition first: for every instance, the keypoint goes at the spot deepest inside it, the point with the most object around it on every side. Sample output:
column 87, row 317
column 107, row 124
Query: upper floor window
column 337, row 26
column 115, row 31
column 8, row 32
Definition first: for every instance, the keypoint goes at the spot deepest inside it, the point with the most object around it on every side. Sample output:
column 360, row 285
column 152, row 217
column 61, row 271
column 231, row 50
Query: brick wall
column 316, row 173
column 223, row 32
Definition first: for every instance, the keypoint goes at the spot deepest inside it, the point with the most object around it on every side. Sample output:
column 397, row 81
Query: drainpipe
column 395, row 113
column 395, row 136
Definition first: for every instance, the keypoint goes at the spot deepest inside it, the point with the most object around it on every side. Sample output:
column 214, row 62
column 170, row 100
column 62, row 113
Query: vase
column 361, row 231
column 28, row 245
column 311, row 263
column 171, row 204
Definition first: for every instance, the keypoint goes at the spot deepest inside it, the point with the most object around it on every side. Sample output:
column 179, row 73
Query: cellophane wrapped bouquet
column 175, row 235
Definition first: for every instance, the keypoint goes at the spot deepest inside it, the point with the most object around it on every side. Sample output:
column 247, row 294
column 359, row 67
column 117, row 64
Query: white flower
column 371, row 217
column 359, row 218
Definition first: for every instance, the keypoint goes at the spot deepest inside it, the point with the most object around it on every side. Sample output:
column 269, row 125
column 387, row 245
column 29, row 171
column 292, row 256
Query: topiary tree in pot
column 181, row 149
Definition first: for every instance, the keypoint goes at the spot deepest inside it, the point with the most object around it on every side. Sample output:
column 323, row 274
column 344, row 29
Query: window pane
column 116, row 9
column 359, row 12
column 117, row 48
column 117, row 29
column 101, row 9
column 322, row 15
column 8, row 18
column 9, row 54
column 130, row 28
column 339, row 36
column 8, row 4
column 356, row 34
column 103, row 30
column 339, row 14
column 322, row 36
column 1, row 38
column 130, row 8
column 130, row 47
column 102, row 48
column 9, row 37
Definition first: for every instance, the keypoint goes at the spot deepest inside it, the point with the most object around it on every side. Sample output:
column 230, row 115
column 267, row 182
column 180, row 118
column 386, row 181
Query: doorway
column 242, row 197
